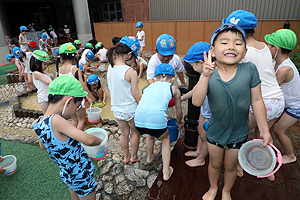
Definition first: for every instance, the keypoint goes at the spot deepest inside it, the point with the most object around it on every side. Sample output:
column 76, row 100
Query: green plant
column 295, row 57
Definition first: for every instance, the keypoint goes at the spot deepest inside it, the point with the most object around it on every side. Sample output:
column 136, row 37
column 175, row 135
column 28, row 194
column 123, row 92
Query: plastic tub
column 173, row 129
column 32, row 44
column 99, row 151
column 102, row 68
column 93, row 114
column 258, row 160
column 20, row 88
column 9, row 163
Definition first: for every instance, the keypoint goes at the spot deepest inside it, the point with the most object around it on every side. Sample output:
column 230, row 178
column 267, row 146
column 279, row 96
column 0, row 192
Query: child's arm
column 39, row 76
column 200, row 90
column 20, row 41
column 141, row 38
column 181, row 78
column 132, row 75
column 283, row 75
column 177, row 96
column 1, row 168
column 89, row 96
column 62, row 126
column 259, row 111
column 41, row 145
column 104, row 94
column 20, row 69
column 40, row 44
column 188, row 95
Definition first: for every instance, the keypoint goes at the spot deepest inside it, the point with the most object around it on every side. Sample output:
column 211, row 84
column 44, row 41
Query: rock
column 100, row 163
column 107, row 178
column 19, row 124
column 117, row 168
column 151, row 179
column 106, row 167
column 141, row 173
column 105, row 121
column 98, row 196
column 29, row 126
column 112, row 122
column 117, row 158
column 139, row 194
column 140, row 183
column 105, row 127
column 107, row 198
column 99, row 186
column 113, row 129
column 130, row 175
column 24, row 125
column 108, row 188
column 119, row 179
column 111, row 138
column 124, row 189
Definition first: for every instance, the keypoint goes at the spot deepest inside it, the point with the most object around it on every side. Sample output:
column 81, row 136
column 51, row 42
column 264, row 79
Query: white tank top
column 23, row 47
column 291, row 90
column 42, row 88
column 120, row 90
column 68, row 74
column 262, row 58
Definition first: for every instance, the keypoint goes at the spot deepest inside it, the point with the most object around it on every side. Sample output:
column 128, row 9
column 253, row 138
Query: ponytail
column 119, row 49
column 110, row 55
column 57, row 69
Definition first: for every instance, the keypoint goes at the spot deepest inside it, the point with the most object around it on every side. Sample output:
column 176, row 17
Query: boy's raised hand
column 208, row 65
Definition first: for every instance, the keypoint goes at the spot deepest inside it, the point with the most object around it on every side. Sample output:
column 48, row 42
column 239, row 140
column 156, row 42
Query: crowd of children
column 244, row 84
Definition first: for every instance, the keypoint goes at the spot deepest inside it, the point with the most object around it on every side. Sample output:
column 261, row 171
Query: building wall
column 135, row 10
column 186, row 33
column 162, row 10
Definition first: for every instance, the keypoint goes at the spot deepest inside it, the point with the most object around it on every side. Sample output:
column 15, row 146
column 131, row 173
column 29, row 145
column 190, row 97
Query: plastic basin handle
column 279, row 159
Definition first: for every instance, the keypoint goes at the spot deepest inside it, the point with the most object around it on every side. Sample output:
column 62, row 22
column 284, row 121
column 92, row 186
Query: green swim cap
column 283, row 38
column 41, row 55
column 67, row 86
column 67, row 48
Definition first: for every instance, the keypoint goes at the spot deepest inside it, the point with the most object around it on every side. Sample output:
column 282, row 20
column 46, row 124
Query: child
column 124, row 92
column 194, row 57
column 23, row 39
column 77, row 44
column 141, row 37
column 150, row 116
column 67, row 54
column 142, row 64
column 43, row 43
column 48, row 37
column 115, row 40
column 62, row 140
column 85, row 61
column 165, row 48
column 67, row 32
column 53, row 34
column 97, row 89
column 22, row 62
column 10, row 58
column 230, row 89
column 281, row 43
column 38, row 63
column 101, row 53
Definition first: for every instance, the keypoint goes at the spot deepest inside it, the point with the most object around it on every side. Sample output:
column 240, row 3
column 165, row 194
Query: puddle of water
column 31, row 102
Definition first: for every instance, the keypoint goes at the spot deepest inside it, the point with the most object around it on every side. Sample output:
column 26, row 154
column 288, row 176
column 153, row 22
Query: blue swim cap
column 90, row 55
column 23, row 28
column 132, row 42
column 224, row 27
column 56, row 52
column 17, row 52
column 166, row 45
column 44, row 35
column 164, row 69
column 139, row 24
column 93, row 79
column 9, row 57
column 195, row 52
column 241, row 18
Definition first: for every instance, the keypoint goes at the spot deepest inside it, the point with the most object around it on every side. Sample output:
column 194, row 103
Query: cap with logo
column 93, row 79
column 90, row 55
column 56, row 52
column 139, row 24
column 241, row 18
column 41, row 55
column 17, row 52
column 166, row 45
column 195, row 52
column 67, row 86
column 164, row 69
column 88, row 45
column 67, row 48
column 132, row 42
column 77, row 42
column 283, row 38
column 9, row 57
column 224, row 27
column 98, row 45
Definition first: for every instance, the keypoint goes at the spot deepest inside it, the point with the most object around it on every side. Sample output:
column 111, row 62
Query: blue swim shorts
column 293, row 112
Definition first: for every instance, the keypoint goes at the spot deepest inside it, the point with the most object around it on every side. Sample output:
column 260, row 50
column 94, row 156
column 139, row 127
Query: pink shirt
column 53, row 34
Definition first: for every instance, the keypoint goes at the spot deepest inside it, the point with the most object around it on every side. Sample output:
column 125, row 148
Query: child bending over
column 62, row 140
column 97, row 89
column 230, row 89
column 150, row 116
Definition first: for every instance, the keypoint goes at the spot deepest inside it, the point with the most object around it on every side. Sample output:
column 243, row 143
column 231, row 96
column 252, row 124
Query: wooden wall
column 186, row 33
column 135, row 10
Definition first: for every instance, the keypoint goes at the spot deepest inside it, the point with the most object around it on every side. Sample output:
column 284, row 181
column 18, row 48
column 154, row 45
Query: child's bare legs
column 230, row 165
column 142, row 67
column 214, row 168
column 27, row 82
column 150, row 148
column 44, row 106
column 201, row 148
column 142, row 52
column 30, row 80
column 135, row 141
column 166, row 155
column 74, row 196
column 285, row 122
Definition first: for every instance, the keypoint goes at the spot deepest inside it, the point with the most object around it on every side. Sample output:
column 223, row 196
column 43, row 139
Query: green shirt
column 229, row 103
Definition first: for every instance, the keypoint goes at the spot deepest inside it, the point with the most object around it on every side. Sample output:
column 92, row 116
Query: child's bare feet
column 191, row 153
column 240, row 171
column 153, row 156
column 210, row 194
column 288, row 159
column 226, row 195
column 195, row 162
column 127, row 159
column 134, row 159
column 167, row 175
